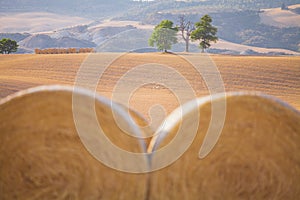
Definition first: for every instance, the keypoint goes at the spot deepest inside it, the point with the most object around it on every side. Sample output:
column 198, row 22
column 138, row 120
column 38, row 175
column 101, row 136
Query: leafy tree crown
column 164, row 35
column 205, row 32
column 8, row 46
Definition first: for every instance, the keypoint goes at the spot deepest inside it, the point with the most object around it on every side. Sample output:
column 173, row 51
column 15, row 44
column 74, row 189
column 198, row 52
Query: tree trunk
column 187, row 41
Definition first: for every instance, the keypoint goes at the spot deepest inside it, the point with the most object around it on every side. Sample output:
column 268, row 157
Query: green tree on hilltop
column 204, row 32
column 164, row 35
column 8, row 46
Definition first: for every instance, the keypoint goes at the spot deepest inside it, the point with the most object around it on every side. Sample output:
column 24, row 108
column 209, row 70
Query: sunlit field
column 277, row 76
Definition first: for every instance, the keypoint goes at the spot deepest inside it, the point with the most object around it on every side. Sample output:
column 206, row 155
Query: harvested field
column 277, row 76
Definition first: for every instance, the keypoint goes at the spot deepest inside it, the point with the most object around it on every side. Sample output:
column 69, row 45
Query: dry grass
column 256, row 156
column 42, row 156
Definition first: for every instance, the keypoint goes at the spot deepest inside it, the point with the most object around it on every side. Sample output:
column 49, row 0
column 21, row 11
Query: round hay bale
column 256, row 157
column 42, row 156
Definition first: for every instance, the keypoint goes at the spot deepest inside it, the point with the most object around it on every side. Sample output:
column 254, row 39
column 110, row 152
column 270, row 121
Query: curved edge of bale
column 42, row 156
column 255, row 157
column 174, row 118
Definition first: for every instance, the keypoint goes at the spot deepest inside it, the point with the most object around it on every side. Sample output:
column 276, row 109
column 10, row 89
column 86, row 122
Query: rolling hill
column 56, row 24
column 281, row 18
column 35, row 22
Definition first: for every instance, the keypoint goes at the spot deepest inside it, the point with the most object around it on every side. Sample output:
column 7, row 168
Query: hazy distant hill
column 289, row 17
column 44, row 41
column 33, row 22
column 15, row 36
column 81, row 23
column 243, row 26
column 105, row 8
column 91, row 8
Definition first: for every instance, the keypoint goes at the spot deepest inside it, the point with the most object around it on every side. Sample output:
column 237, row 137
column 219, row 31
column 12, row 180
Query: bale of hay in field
column 42, row 156
column 256, row 157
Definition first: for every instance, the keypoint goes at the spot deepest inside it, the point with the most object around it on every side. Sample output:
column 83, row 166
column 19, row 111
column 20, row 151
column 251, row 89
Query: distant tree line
column 64, row 51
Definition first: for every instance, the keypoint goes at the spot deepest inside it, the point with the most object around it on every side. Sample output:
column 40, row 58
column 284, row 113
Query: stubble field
column 277, row 76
